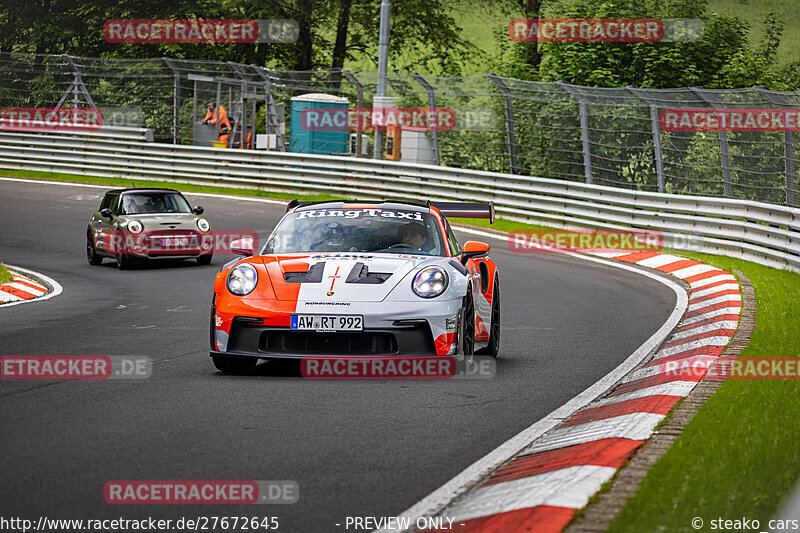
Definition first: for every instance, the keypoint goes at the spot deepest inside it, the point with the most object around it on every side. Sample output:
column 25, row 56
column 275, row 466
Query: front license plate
column 328, row 322
column 174, row 242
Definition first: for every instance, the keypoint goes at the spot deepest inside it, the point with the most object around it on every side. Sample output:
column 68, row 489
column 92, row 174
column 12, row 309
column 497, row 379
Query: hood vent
column 361, row 274
column 313, row 275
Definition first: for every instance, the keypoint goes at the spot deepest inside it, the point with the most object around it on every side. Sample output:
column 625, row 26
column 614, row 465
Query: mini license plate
column 328, row 322
column 174, row 242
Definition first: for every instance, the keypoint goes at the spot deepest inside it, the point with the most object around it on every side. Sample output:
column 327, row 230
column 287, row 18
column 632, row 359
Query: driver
column 412, row 235
column 157, row 204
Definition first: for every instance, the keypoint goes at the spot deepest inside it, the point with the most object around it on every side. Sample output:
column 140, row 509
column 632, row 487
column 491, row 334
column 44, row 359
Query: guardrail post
column 711, row 100
column 788, row 149
column 512, row 143
column 656, row 134
column 359, row 104
column 432, row 107
column 587, row 156
column 176, row 100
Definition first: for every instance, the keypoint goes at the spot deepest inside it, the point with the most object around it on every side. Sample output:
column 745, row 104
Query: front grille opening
column 338, row 343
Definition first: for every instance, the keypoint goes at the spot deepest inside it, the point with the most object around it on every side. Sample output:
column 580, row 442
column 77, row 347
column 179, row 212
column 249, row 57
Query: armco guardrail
column 763, row 233
column 119, row 133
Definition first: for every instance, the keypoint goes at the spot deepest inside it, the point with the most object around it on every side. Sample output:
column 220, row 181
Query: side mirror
column 473, row 249
column 105, row 212
column 198, row 210
column 242, row 247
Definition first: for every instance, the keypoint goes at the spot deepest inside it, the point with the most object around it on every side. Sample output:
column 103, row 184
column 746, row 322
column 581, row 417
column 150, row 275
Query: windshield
column 142, row 203
column 357, row 230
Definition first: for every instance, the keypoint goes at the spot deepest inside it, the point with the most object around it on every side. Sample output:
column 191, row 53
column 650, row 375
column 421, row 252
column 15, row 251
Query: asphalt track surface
column 356, row 448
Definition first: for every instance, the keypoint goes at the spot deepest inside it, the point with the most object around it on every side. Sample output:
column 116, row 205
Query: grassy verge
column 5, row 275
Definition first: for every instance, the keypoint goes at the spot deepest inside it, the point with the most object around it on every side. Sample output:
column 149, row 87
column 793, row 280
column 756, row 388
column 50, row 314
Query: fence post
column 432, row 107
column 76, row 87
column 359, row 104
column 176, row 101
column 712, row 100
column 512, row 143
column 243, row 138
column 788, row 148
column 587, row 156
column 656, row 134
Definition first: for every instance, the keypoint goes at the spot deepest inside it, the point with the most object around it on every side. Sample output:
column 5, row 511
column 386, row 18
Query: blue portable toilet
column 322, row 128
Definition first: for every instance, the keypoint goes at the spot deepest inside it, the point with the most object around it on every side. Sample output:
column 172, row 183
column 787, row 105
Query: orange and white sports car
column 342, row 278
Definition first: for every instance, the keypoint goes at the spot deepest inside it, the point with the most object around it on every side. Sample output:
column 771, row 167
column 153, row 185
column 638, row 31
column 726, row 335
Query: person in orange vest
column 221, row 121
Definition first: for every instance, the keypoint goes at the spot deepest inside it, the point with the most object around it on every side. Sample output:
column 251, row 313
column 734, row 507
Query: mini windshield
column 142, row 203
column 357, row 230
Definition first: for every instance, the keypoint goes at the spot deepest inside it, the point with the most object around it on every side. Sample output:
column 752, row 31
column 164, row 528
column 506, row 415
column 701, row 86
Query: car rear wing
column 466, row 209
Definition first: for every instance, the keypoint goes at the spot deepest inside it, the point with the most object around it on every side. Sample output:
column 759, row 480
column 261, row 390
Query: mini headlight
column 203, row 225
column 242, row 279
column 430, row 282
column 135, row 227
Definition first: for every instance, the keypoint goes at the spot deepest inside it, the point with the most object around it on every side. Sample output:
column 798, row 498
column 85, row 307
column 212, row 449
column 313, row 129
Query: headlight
column 430, row 282
column 135, row 227
column 203, row 225
column 242, row 279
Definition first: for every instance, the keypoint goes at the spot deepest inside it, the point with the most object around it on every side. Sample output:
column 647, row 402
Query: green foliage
column 724, row 58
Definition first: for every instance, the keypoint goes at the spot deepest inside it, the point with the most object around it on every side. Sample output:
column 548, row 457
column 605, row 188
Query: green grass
column 738, row 456
column 5, row 275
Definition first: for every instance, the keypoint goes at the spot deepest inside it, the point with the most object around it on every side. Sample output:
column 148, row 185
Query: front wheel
column 234, row 365
column 91, row 252
column 466, row 333
column 493, row 348
column 205, row 259
column 125, row 261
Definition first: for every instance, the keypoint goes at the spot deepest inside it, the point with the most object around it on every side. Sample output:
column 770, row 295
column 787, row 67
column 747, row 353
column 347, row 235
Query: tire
column 466, row 333
column 234, row 365
column 125, row 262
column 205, row 259
column 91, row 252
column 493, row 348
